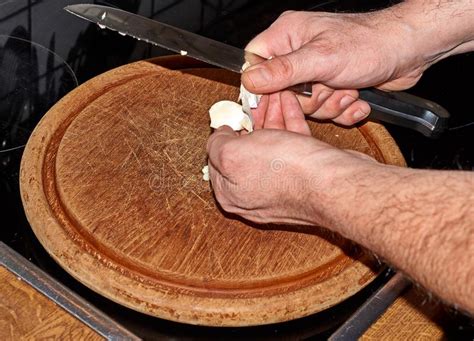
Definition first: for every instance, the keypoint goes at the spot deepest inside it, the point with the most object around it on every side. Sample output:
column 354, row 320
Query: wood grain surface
column 111, row 183
column 411, row 317
column 26, row 314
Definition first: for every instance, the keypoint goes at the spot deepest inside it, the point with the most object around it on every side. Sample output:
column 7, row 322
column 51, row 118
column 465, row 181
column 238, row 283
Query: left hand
column 259, row 176
column 276, row 175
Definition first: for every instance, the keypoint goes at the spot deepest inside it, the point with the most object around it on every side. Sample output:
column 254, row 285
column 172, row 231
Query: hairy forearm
column 421, row 222
column 439, row 28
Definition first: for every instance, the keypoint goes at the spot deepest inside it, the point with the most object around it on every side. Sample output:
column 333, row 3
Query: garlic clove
column 228, row 113
column 247, row 123
column 205, row 173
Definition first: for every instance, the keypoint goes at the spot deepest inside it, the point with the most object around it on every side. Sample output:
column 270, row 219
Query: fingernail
column 346, row 101
column 259, row 76
column 324, row 95
column 359, row 115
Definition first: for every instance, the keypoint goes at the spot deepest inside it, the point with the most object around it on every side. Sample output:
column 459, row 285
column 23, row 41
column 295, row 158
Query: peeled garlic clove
column 228, row 113
column 205, row 173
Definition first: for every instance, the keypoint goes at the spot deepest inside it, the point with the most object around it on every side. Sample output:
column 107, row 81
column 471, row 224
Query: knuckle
column 283, row 20
column 353, row 93
column 299, row 18
column 284, row 67
column 210, row 142
column 231, row 208
column 325, row 47
column 308, row 106
column 227, row 158
column 225, row 203
column 221, row 199
column 332, row 106
column 287, row 14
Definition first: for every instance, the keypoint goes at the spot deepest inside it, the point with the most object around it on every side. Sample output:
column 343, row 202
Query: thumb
column 281, row 72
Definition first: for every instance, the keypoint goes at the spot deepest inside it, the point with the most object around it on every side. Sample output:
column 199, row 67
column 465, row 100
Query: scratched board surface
column 112, row 186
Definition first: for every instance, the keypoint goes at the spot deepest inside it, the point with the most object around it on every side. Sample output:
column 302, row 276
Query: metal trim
column 371, row 310
column 63, row 296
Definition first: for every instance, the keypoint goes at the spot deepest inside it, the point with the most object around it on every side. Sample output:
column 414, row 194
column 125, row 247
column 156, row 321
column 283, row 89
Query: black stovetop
column 67, row 51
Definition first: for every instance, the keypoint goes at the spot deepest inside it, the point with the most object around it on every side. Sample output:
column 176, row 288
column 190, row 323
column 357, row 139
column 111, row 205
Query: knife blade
column 397, row 108
column 169, row 37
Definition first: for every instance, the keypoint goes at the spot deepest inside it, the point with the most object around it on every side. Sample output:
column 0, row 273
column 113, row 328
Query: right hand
column 339, row 53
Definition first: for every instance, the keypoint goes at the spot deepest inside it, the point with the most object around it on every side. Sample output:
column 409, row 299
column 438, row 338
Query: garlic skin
column 230, row 114
column 249, row 100
column 245, row 66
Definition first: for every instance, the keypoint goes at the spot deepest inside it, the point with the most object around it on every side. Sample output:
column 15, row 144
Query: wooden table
column 25, row 313
column 411, row 317
column 33, row 305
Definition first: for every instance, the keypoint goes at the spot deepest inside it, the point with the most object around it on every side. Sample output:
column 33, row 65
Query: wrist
column 436, row 29
column 335, row 195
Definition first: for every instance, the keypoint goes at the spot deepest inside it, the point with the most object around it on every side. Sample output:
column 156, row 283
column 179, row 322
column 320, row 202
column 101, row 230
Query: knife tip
column 78, row 8
column 73, row 8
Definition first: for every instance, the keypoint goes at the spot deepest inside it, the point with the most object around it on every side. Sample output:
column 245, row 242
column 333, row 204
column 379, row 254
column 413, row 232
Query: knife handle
column 399, row 108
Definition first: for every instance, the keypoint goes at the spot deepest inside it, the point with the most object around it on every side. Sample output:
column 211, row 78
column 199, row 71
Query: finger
column 214, row 176
column 218, row 184
column 357, row 111
column 293, row 115
column 265, row 44
column 400, row 83
column 278, row 73
column 216, row 141
column 259, row 113
column 274, row 116
column 335, row 105
column 213, row 173
column 320, row 93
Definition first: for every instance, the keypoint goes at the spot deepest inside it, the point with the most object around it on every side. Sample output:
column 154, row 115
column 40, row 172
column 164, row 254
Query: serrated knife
column 397, row 108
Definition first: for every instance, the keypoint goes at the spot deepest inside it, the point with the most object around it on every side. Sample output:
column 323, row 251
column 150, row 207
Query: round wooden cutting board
column 112, row 186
